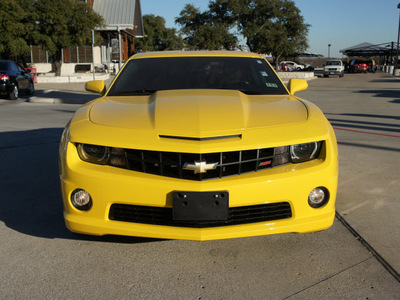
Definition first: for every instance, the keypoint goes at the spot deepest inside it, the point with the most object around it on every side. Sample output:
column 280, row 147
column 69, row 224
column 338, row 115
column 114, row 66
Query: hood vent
column 201, row 139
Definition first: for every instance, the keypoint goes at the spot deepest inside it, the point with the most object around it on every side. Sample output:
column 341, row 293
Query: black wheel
column 14, row 93
column 31, row 89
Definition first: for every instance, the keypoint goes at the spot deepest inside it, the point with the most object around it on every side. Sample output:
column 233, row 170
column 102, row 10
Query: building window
column 39, row 55
column 85, row 54
column 114, row 49
column 81, row 54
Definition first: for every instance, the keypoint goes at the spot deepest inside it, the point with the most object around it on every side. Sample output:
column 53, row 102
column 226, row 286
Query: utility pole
column 94, row 76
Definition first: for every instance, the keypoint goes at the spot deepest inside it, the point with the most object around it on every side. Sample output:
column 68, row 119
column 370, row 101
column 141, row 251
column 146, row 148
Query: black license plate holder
column 200, row 206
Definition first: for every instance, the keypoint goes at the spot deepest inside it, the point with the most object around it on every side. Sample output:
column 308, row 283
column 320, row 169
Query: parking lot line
column 367, row 132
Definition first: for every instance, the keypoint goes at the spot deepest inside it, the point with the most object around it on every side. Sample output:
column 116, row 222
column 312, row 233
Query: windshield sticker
column 272, row 85
column 263, row 73
column 259, row 61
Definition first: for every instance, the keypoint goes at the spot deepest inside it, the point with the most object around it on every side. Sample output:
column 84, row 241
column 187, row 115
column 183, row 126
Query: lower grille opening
column 163, row 215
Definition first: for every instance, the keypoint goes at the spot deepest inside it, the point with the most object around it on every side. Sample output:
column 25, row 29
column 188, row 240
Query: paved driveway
column 364, row 109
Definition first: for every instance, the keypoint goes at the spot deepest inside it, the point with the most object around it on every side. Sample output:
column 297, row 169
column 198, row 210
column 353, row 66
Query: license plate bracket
column 200, row 206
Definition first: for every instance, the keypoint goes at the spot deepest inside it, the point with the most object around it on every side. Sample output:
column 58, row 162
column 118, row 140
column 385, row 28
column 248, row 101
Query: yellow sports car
column 198, row 146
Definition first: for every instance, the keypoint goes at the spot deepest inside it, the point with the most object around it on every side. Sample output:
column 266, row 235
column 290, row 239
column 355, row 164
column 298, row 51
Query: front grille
column 172, row 164
column 163, row 216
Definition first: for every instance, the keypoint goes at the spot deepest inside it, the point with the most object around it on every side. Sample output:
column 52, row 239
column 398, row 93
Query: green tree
column 202, row 32
column 64, row 23
column 268, row 26
column 158, row 37
column 12, row 29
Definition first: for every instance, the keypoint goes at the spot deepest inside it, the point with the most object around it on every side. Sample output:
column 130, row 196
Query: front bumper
column 360, row 70
column 332, row 72
column 108, row 185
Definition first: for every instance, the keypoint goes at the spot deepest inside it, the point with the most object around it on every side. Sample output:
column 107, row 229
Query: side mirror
column 297, row 85
column 96, row 86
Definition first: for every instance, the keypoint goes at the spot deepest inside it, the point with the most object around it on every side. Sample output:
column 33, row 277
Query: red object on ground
column 33, row 73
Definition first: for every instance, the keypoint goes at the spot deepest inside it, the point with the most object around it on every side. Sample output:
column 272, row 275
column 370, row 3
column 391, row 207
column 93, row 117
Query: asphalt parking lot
column 357, row 258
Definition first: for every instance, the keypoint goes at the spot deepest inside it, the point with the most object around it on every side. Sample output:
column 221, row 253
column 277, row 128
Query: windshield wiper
column 142, row 92
column 249, row 92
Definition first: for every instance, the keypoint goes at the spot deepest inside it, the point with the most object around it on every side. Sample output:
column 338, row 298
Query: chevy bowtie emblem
column 200, row 166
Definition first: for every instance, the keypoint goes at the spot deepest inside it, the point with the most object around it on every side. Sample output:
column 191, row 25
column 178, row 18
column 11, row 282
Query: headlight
column 94, row 154
column 102, row 155
column 305, row 152
column 65, row 137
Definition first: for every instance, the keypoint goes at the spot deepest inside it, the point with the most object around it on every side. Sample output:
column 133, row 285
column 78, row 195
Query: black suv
column 13, row 78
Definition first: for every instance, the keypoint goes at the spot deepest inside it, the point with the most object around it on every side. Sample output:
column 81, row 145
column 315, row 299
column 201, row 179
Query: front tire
column 31, row 89
column 14, row 93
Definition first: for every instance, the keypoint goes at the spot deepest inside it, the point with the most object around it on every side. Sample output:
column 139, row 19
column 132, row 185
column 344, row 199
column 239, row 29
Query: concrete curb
column 72, row 78
column 38, row 99
column 46, row 97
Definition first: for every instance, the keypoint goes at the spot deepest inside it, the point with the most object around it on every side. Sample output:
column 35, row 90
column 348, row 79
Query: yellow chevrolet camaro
column 198, row 146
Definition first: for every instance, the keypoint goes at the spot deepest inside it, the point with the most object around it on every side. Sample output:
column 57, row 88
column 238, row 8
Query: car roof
column 5, row 64
column 195, row 54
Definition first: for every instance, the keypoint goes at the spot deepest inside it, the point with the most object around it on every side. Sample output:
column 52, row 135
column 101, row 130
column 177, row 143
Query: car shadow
column 384, row 93
column 385, row 124
column 31, row 198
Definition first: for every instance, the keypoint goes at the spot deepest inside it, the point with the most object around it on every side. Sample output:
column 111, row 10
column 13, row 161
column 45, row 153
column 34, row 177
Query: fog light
column 318, row 197
column 81, row 199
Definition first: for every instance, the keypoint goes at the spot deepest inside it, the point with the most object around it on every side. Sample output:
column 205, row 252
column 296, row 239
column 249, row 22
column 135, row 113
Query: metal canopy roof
column 120, row 15
column 368, row 49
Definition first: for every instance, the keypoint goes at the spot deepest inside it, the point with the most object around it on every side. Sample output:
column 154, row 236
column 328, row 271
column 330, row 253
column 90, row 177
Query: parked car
column 285, row 68
column 293, row 65
column 359, row 66
column 309, row 68
column 199, row 146
column 334, row 67
column 13, row 79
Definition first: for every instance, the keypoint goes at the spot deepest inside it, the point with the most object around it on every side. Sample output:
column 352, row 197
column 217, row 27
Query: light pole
column 329, row 48
column 397, row 50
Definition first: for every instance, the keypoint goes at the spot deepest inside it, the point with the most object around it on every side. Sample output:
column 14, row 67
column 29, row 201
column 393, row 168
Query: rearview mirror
column 96, row 86
column 297, row 85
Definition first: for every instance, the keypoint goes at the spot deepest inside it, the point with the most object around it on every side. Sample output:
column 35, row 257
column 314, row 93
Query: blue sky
column 341, row 23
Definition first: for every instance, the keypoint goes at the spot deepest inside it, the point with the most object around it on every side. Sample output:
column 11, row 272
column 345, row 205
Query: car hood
column 197, row 113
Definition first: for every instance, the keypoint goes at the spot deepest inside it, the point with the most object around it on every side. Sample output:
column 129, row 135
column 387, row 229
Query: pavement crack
column 328, row 277
column 378, row 257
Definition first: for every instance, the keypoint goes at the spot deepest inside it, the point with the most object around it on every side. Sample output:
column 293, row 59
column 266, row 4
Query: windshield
column 145, row 76
column 333, row 63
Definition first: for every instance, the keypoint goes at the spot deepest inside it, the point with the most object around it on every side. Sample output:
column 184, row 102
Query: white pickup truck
column 334, row 67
